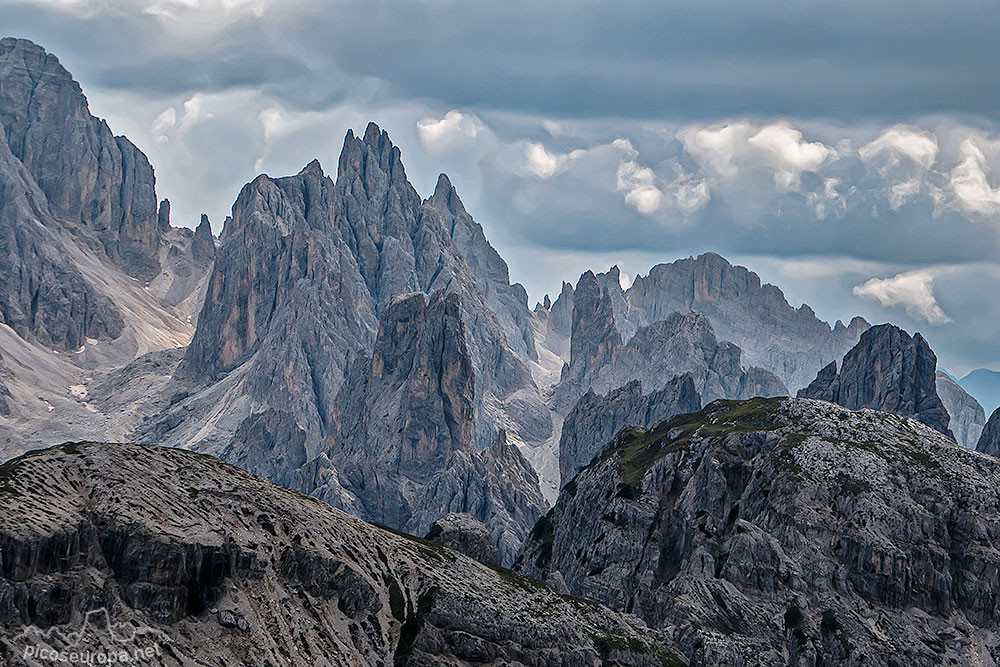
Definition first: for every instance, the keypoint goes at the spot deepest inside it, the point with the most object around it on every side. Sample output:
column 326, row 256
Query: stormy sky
column 848, row 152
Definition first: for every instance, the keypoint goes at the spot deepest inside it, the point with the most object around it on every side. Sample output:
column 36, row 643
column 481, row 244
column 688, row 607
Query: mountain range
column 361, row 356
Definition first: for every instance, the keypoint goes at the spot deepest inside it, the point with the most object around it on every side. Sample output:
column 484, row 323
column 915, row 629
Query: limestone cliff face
column 595, row 419
column 43, row 295
column 509, row 302
column 967, row 417
column 400, row 446
column 100, row 186
column 787, row 532
column 205, row 563
column 790, row 342
column 89, row 264
column 887, row 370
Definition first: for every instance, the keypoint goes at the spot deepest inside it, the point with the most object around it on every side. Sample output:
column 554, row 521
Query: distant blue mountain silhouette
column 984, row 385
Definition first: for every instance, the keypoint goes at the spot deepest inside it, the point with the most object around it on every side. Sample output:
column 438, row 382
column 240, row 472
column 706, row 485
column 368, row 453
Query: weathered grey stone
column 400, row 448
column 43, row 296
column 509, row 302
column 269, row 444
column 989, row 440
column 595, row 419
column 887, row 370
column 465, row 534
column 304, row 268
column 162, row 538
column 967, row 416
column 100, row 187
column 787, row 532
column 681, row 343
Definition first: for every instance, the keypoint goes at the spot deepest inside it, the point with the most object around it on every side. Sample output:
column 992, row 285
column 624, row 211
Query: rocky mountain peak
column 374, row 161
column 790, row 342
column 203, row 242
column 967, row 415
column 595, row 338
column 99, row 187
column 446, row 198
column 888, row 370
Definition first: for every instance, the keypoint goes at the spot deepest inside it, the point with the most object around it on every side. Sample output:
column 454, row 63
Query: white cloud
column 912, row 290
column 544, row 164
column 455, row 129
column 163, row 124
column 731, row 147
column 970, row 181
column 539, row 161
column 716, row 146
column 691, row 195
column 624, row 279
column 903, row 191
column 901, row 141
column 638, row 184
column 194, row 108
column 789, row 154
column 625, row 146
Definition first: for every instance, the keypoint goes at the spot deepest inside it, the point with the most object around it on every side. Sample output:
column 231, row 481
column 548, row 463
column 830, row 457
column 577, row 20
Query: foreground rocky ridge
column 788, row 531
column 208, row 565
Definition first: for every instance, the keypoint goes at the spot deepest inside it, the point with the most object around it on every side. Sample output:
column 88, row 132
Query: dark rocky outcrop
column 887, row 370
column 198, row 561
column 99, row 186
column 967, row 415
column 203, row 242
column 467, row 535
column 595, row 419
column 989, row 440
column 787, row 532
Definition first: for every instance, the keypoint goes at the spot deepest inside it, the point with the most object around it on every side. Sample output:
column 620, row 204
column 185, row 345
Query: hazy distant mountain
column 967, row 415
column 984, row 385
column 790, row 342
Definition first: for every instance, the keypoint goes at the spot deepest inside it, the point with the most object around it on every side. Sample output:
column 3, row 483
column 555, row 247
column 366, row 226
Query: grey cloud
column 576, row 76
